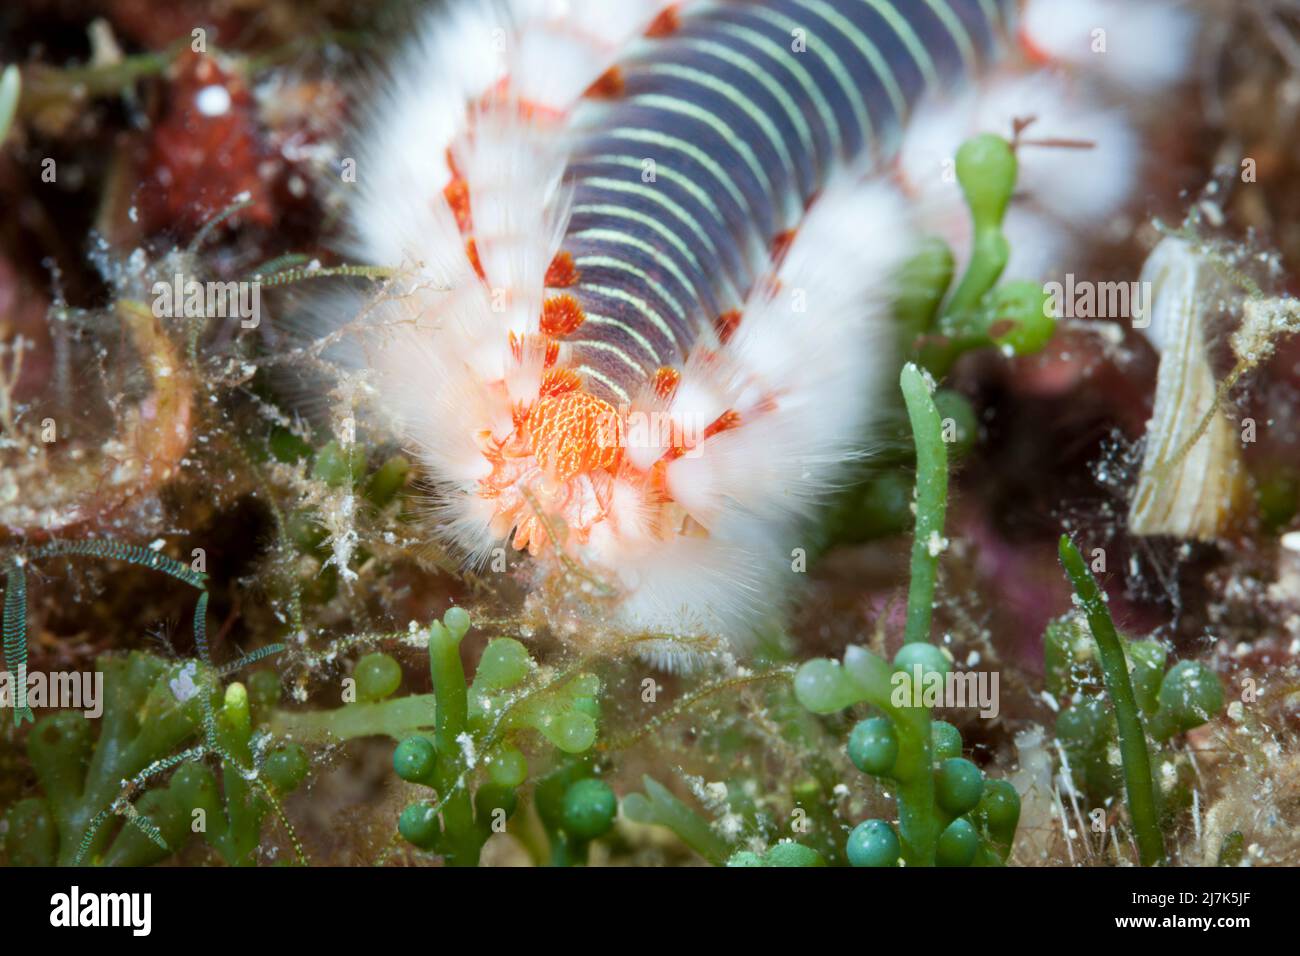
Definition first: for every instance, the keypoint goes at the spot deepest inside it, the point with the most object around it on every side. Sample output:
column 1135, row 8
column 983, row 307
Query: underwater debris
column 53, row 480
column 1192, row 480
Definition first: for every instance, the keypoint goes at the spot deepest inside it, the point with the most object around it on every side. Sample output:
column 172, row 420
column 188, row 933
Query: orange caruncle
column 574, row 433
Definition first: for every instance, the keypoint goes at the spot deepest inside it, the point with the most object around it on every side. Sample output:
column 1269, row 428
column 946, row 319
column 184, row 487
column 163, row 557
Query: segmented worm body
column 648, row 320
column 747, row 117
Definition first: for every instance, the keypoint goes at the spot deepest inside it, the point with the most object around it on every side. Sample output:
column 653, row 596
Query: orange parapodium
column 557, row 381
column 550, row 348
column 1033, row 52
column 608, row 85
column 726, row 324
column 471, row 253
column 501, row 96
column 781, row 245
column 456, row 193
column 667, row 23
column 666, row 381
column 575, row 433
column 723, row 423
column 561, row 315
column 561, row 273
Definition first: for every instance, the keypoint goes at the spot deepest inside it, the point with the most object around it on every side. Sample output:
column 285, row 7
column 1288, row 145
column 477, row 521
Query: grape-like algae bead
column 986, row 168
column 958, row 844
column 505, row 662
column 873, row 746
column 571, row 731
column 1190, row 694
column 414, row 759
column 286, row 767
column 388, row 480
column 945, row 740
column 873, row 843
column 1146, row 670
column 1000, row 804
column 377, row 676
column 822, row 686
column 1086, row 724
column 508, row 767
column 929, row 657
column 236, row 707
column 456, row 620
column 338, row 466
column 1021, row 317
column 589, row 808
column 958, row 785
column 793, row 854
column 418, row 824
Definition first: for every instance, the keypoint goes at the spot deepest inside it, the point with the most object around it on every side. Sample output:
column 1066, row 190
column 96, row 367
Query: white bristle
column 1083, row 185
column 1080, row 162
column 1139, row 45
column 819, row 351
column 401, row 148
column 564, row 45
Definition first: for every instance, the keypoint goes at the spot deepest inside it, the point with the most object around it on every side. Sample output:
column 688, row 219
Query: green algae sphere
column 873, row 746
column 873, row 843
column 958, row 844
column 414, row 760
column 456, row 620
column 945, row 740
column 286, row 767
column 418, row 824
column 377, row 677
column 1191, row 694
column 508, row 767
column 793, row 854
column 958, row 785
column 589, row 809
column 929, row 657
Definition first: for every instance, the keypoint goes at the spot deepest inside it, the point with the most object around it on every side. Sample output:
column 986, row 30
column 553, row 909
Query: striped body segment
column 714, row 139
column 649, row 252
column 602, row 361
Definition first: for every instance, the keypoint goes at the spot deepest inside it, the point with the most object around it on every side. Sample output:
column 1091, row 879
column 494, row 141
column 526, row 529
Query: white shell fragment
column 1186, row 491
